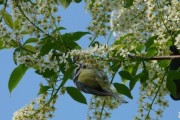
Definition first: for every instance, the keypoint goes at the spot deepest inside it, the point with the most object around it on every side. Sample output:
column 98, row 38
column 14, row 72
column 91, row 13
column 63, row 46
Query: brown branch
column 154, row 58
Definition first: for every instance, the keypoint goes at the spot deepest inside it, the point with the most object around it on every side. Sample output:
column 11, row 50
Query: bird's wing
column 106, row 86
column 88, row 89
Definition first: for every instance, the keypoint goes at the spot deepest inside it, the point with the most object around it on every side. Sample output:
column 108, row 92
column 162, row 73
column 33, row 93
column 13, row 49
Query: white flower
column 63, row 58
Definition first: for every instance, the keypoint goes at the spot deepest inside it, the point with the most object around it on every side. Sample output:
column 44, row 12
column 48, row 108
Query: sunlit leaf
column 31, row 40
column 152, row 51
column 58, row 29
column 7, row 18
column 150, row 42
column 76, row 95
column 119, row 41
column 16, row 76
column 30, row 48
column 74, row 36
column 16, row 24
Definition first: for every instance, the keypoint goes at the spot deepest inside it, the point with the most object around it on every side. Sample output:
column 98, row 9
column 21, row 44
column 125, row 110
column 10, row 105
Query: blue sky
column 74, row 18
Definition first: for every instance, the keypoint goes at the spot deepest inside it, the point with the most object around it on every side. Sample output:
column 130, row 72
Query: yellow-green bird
column 93, row 81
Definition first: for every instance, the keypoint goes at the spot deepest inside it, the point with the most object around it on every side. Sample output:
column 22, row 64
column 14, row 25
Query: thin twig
column 156, row 95
column 104, row 103
column 153, row 58
column 19, row 7
column 93, row 40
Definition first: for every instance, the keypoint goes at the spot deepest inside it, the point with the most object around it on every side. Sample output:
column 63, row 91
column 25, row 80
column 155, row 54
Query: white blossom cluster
column 95, row 55
column 29, row 19
column 95, row 108
column 43, row 62
column 100, row 11
column 148, row 18
column 35, row 110
column 42, row 13
column 152, row 93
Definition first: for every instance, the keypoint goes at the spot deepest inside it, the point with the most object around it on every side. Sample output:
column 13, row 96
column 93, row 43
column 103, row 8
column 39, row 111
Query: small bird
column 175, row 65
column 93, row 81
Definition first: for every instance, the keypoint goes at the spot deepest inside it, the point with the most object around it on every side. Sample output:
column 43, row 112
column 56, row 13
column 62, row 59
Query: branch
column 150, row 108
column 153, row 58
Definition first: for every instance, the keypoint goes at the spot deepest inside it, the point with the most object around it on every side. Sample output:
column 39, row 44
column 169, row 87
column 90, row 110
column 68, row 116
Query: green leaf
column 133, row 82
column 1, row 44
column 135, row 69
column 16, row 25
column 58, row 29
column 119, row 41
column 171, row 86
column 43, row 89
column 150, row 42
column 30, row 48
column 115, row 66
column 139, row 48
column 152, row 51
column 174, row 74
column 70, row 45
column 77, row 1
column 128, row 3
column 126, row 75
column 47, row 73
column 31, row 40
column 74, row 36
column 144, row 76
column 12, row 43
column 1, row 2
column 65, row 3
column 163, row 63
column 76, row 95
column 122, row 89
column 16, row 76
column 68, row 40
column 7, row 18
column 69, row 72
column 48, row 44
column 14, row 54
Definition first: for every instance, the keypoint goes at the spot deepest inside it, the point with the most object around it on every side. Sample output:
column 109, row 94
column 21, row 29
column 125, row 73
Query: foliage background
column 66, row 107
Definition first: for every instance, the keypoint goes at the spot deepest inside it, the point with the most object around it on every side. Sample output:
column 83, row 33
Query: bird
column 175, row 65
column 94, row 81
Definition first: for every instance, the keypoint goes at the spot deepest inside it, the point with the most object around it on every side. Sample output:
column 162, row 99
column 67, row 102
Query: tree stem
column 153, row 58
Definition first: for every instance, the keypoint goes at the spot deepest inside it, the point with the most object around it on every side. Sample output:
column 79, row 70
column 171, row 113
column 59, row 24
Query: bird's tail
column 116, row 96
column 119, row 98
